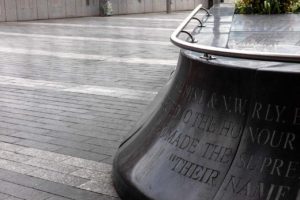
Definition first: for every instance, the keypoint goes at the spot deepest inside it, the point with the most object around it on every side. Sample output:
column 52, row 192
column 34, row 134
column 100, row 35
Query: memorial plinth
column 221, row 129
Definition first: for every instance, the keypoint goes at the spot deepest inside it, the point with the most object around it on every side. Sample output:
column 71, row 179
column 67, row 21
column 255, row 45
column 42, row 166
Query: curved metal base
column 216, row 132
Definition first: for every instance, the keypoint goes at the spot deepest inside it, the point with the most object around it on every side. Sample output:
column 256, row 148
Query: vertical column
column 57, row 8
column 168, row 6
column 159, row 5
column 80, row 8
column 184, row 4
column 191, row 4
column 96, row 7
column 115, row 6
column 70, row 8
column 203, row 2
column 136, row 6
column 93, row 7
column 2, row 11
column 26, row 10
column 11, row 10
column 42, row 9
column 148, row 6
column 123, row 7
column 173, row 5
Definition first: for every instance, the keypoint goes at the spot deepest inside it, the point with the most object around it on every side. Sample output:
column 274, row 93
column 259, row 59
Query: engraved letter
column 279, row 112
column 266, row 163
column 277, row 165
column 290, row 138
column 187, row 116
column 291, row 168
column 281, row 192
column 233, row 184
column 297, row 117
column 212, row 101
column 239, row 105
column 268, row 117
column 257, row 109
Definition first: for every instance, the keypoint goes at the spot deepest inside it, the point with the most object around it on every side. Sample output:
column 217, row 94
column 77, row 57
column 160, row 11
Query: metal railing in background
column 193, row 45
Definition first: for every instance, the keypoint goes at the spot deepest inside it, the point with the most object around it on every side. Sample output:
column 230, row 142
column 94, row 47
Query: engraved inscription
column 213, row 100
column 212, row 118
column 261, row 190
column 296, row 119
column 269, row 165
column 217, row 153
column 271, row 137
column 181, row 141
column 209, row 151
column 206, row 116
column 194, row 171
column 269, row 112
column 208, row 124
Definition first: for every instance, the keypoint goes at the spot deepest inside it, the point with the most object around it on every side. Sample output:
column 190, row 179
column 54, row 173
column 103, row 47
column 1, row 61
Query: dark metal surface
column 221, row 129
column 267, row 163
column 216, row 132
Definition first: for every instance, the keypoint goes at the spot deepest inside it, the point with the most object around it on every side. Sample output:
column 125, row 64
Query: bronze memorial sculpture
column 222, row 128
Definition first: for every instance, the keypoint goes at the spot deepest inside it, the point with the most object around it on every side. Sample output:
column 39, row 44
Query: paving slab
column 71, row 91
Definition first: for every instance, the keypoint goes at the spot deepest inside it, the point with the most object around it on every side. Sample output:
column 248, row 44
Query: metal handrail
column 253, row 55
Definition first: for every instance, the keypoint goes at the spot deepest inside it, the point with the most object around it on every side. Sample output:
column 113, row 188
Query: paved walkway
column 70, row 92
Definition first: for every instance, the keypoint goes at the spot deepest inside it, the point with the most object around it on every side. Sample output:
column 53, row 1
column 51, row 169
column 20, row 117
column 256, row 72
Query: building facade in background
column 21, row 10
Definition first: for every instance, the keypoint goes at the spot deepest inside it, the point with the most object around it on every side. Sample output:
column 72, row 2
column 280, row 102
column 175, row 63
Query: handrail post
column 169, row 2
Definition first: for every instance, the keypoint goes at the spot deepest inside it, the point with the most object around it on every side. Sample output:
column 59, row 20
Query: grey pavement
column 71, row 90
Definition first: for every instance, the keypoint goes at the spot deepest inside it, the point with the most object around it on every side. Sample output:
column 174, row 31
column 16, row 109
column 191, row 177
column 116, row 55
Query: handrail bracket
column 207, row 12
column 200, row 22
column 207, row 57
column 193, row 40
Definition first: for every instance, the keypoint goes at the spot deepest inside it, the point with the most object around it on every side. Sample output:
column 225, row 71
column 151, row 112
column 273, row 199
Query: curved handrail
column 254, row 55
